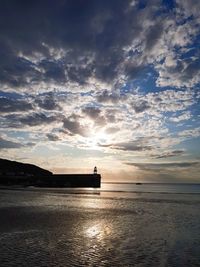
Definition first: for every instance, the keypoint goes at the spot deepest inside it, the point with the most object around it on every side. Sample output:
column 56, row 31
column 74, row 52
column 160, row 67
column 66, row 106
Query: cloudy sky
column 112, row 83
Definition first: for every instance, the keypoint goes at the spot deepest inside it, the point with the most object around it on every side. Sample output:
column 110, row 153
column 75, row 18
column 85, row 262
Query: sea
column 118, row 225
column 152, row 187
column 129, row 189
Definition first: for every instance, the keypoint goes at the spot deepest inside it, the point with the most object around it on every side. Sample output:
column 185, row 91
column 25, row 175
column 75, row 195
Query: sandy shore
column 52, row 229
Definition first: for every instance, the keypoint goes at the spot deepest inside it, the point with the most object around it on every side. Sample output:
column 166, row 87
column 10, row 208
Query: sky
column 111, row 83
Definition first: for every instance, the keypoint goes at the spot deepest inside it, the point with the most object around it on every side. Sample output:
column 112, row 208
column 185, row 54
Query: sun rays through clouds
column 114, row 83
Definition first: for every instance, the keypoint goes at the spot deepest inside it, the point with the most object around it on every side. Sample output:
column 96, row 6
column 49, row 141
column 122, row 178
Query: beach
column 52, row 228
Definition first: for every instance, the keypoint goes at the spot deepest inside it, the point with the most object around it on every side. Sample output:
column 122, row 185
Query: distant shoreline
column 90, row 191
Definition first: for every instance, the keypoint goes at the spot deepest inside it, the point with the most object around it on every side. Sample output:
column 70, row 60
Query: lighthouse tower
column 95, row 170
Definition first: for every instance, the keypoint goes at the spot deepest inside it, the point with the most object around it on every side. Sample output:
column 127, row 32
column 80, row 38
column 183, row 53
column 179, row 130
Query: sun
column 97, row 139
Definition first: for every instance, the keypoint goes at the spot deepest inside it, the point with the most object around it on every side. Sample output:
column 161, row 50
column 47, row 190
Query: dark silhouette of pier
column 16, row 173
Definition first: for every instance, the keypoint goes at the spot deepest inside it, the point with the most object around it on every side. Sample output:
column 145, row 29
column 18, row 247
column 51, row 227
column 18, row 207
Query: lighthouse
column 95, row 170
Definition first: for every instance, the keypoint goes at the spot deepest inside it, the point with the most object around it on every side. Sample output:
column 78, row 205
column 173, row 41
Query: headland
column 22, row 174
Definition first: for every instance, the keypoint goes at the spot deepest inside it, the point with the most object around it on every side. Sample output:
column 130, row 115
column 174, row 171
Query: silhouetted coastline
column 16, row 173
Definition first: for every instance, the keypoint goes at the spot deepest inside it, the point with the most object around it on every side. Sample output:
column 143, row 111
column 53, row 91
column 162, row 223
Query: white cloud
column 190, row 133
column 183, row 117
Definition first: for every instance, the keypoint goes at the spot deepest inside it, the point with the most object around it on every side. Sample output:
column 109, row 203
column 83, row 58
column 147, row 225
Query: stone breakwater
column 54, row 180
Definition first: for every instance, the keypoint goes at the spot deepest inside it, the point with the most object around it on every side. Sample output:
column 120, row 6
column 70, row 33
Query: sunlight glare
column 98, row 138
column 98, row 231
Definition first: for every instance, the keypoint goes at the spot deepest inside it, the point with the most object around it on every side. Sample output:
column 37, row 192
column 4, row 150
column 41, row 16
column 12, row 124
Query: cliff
column 14, row 168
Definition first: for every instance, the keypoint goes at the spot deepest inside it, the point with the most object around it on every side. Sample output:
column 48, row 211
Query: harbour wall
column 54, row 180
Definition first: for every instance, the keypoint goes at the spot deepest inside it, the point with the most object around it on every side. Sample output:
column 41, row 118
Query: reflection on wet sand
column 38, row 229
column 92, row 242
column 99, row 231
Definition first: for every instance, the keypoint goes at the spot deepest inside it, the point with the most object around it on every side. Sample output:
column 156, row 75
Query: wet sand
column 52, row 229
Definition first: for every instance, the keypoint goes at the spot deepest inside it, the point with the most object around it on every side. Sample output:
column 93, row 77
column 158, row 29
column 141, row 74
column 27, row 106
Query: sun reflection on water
column 99, row 231
column 96, row 232
column 93, row 231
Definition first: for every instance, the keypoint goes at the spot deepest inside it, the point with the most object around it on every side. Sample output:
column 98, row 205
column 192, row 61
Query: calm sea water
column 120, row 225
column 129, row 190
column 151, row 188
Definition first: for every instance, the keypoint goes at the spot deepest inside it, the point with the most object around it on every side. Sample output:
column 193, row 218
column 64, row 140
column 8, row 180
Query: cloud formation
column 89, row 43
column 168, row 154
column 8, row 105
column 74, row 127
column 7, row 144
column 120, row 77
column 157, row 166
column 127, row 146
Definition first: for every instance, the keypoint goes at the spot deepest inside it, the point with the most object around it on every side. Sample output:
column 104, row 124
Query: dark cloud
column 112, row 115
column 93, row 35
column 33, row 119
column 64, row 131
column 183, row 73
column 192, row 68
column 169, row 154
column 10, row 121
column 159, row 166
column 141, row 106
column 74, row 127
column 153, row 34
column 190, row 8
column 54, row 70
column 106, row 97
column 73, row 41
column 92, row 112
column 132, row 70
column 47, row 102
column 95, row 114
column 15, row 71
column 127, row 146
column 79, row 73
column 36, row 119
column 52, row 137
column 13, row 105
column 6, row 144
column 111, row 118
